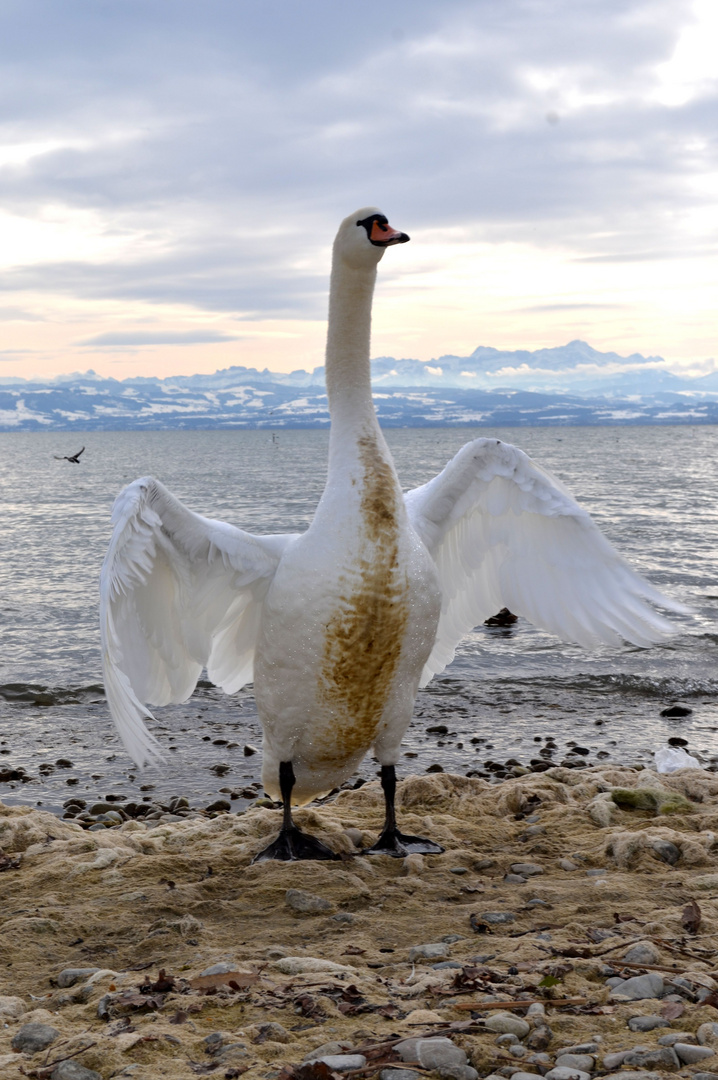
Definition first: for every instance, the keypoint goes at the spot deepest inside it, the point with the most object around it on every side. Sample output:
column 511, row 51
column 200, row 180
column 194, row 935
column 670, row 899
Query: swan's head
column 363, row 236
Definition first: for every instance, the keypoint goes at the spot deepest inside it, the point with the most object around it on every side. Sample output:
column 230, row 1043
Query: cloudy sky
column 173, row 172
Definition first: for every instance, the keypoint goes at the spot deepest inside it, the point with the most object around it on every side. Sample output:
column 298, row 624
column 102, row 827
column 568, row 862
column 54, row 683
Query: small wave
column 37, row 694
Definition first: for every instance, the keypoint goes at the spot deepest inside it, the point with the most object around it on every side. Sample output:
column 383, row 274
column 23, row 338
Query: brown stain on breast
column 365, row 636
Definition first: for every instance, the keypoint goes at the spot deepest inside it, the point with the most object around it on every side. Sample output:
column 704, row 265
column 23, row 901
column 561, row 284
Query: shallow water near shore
column 650, row 489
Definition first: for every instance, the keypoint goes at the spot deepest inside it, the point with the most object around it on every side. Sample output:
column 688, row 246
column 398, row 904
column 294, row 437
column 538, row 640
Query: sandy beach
column 549, row 884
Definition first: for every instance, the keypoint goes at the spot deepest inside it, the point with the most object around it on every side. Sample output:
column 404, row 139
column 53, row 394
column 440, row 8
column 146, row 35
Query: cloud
column 222, row 142
column 163, row 337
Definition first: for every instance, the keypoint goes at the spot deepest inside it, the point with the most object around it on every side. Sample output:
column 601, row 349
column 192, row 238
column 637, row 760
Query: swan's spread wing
column 177, row 592
column 505, row 533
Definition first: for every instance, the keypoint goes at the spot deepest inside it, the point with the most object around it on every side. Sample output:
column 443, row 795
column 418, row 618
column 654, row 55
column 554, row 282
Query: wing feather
column 504, row 532
column 178, row 592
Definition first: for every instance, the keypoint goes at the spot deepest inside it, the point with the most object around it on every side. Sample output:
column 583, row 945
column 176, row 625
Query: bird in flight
column 74, row 458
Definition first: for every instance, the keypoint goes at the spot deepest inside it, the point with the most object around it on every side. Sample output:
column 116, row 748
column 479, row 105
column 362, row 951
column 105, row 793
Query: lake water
column 652, row 491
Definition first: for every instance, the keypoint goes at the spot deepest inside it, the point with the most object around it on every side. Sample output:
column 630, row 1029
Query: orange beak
column 384, row 235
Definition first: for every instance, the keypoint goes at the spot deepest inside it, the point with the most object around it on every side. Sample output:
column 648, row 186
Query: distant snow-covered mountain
column 570, row 384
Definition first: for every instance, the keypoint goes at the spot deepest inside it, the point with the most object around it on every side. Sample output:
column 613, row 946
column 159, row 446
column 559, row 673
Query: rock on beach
column 155, row 949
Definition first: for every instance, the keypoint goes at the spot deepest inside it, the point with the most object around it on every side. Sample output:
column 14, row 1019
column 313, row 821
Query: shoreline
column 557, row 874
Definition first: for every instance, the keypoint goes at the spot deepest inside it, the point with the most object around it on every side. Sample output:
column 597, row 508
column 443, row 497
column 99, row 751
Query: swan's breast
column 366, row 632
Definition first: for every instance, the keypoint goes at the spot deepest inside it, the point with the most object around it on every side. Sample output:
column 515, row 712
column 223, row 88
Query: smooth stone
column 446, row 965
column 537, row 1009
column 643, row 1075
column 675, row 1036
column 581, row 1048
column 647, row 1023
column 660, row 1056
column 666, row 851
column 431, row 1053
column 69, row 976
column 506, row 1023
column 428, row 952
column 219, row 969
column 614, row 981
column 640, row 987
column 690, row 1055
column 515, row 879
column 644, row 952
column 299, row 900
column 707, row 1033
column 600, row 872
column 507, row 1039
column 32, row 1038
column 398, row 1074
column 72, row 1070
column 614, row 1060
column 299, row 965
column 518, row 1050
column 526, row 868
column 457, row 1072
column 326, row 1049
column 560, row 1072
column 567, row 864
column 12, row 1006
column 582, row 1062
column 497, row 917
column 343, row 1062
column 343, row 917
column 705, row 1076
column 518, row 1075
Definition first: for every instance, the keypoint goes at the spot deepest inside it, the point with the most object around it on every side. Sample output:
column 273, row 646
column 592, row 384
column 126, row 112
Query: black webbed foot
column 292, row 845
column 399, row 845
column 392, row 842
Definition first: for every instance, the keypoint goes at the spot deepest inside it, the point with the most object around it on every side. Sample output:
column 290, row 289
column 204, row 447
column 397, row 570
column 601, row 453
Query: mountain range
column 569, row 384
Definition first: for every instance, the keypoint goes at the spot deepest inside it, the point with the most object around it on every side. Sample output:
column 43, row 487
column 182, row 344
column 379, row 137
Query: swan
column 339, row 626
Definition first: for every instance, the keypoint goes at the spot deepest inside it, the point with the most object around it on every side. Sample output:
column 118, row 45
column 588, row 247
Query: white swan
column 338, row 627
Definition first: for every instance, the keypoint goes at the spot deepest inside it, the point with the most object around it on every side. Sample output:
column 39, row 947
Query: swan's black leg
column 391, row 841
column 292, row 843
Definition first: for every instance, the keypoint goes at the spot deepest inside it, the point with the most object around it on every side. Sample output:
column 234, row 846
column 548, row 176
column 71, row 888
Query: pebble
column 445, row 965
column 644, row 952
column 306, row 902
column 506, row 1023
column 32, row 1038
column 614, row 1060
column 298, row 965
column 567, row 864
column 674, row 1037
column 515, row 879
column 398, row 1074
column 72, row 1070
column 497, row 917
column 690, row 1055
column 638, row 988
column 343, row 1062
column 657, row 1056
column 431, row 1053
column 328, row 1048
column 560, row 1072
column 12, row 1006
column 428, row 952
column 69, row 976
column 343, row 917
column 537, row 1009
column 647, row 1023
column 457, row 1072
column 529, row 869
column 582, row 1062
column 581, row 1048
column 707, row 1033
column 666, row 851
column 219, row 969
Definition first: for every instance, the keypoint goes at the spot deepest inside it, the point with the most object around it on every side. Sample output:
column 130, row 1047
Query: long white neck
column 348, row 369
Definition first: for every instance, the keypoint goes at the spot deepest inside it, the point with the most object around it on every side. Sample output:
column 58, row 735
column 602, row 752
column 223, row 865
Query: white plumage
column 340, row 625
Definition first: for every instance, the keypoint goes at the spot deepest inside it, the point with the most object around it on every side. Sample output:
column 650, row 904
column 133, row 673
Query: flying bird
column 74, row 458
column 339, row 626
